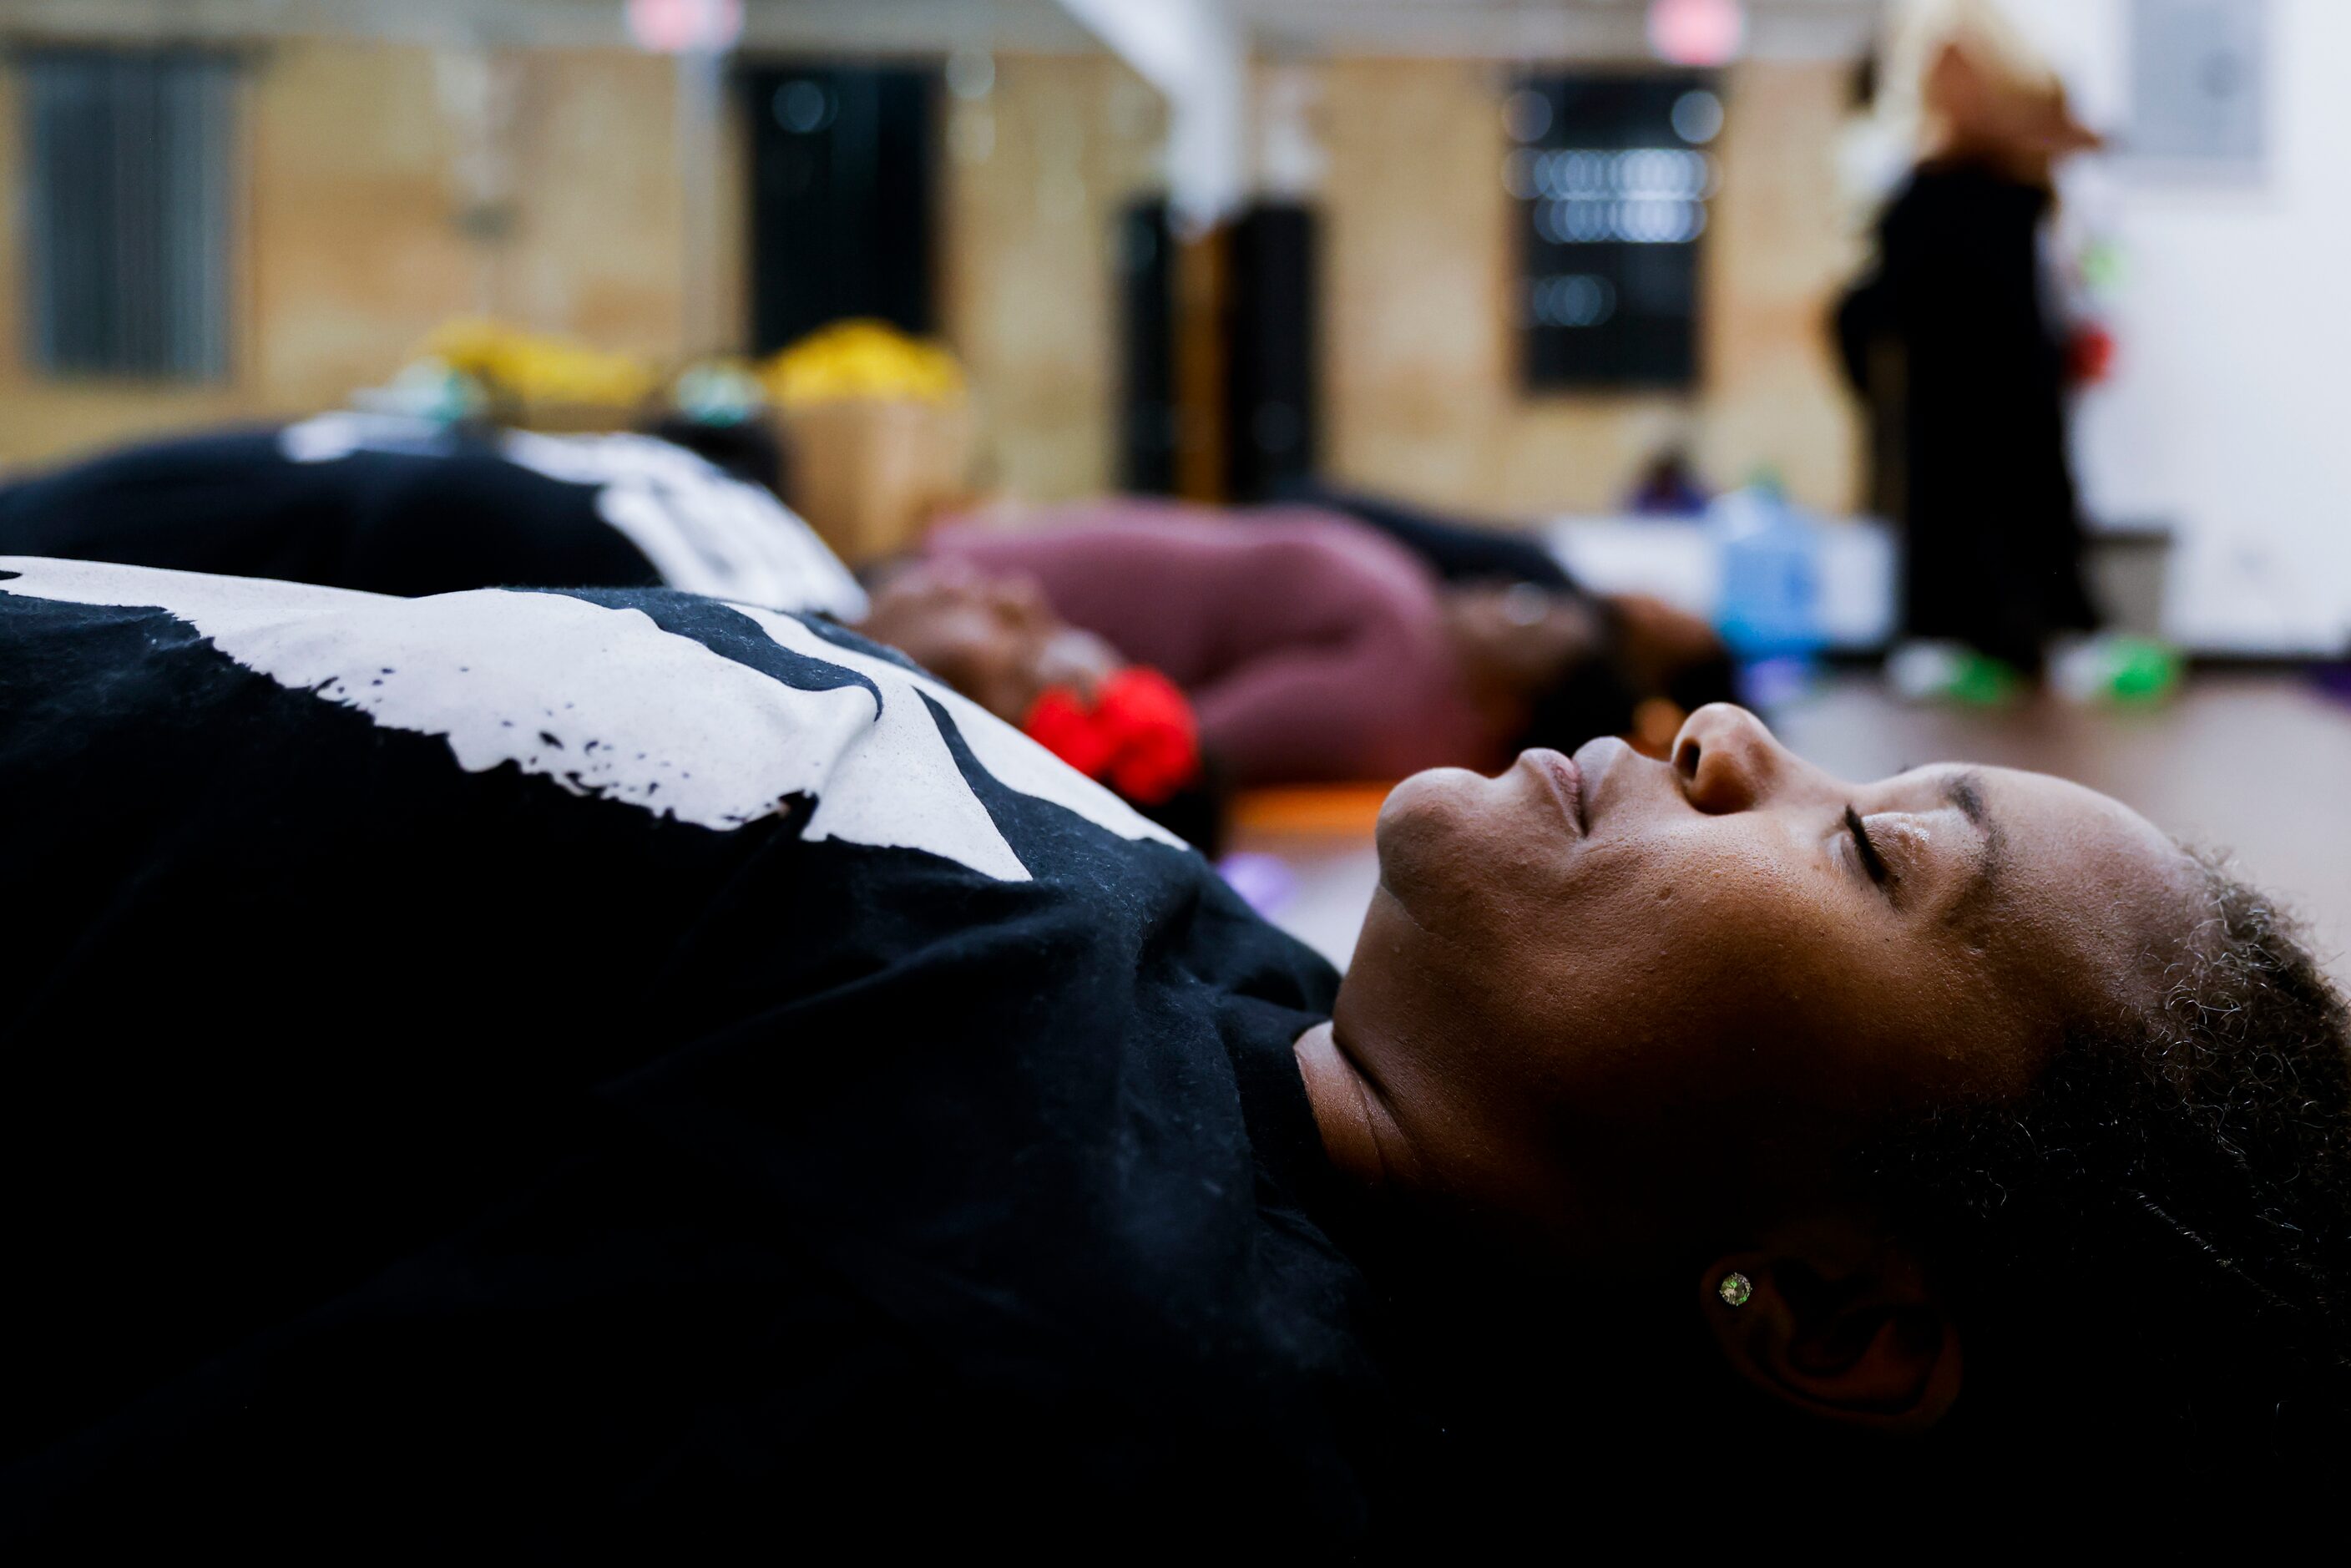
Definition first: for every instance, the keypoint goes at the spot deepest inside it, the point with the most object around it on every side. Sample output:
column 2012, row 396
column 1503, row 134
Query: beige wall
column 350, row 242
column 38, row 418
column 350, row 252
column 1419, row 370
column 1037, row 173
column 1420, row 374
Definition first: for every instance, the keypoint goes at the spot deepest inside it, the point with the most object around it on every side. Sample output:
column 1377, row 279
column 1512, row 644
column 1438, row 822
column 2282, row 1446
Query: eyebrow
column 1964, row 792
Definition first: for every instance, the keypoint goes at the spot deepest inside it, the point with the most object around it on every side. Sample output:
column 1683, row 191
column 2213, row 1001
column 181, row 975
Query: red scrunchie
column 1139, row 738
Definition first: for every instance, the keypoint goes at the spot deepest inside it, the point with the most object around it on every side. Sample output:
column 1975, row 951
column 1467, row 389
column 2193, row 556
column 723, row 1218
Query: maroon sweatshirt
column 1312, row 647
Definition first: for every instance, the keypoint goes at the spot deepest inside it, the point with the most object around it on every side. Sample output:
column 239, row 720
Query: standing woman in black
column 1951, row 340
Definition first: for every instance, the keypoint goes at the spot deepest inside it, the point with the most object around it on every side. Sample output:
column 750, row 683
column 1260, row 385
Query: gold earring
column 1734, row 1290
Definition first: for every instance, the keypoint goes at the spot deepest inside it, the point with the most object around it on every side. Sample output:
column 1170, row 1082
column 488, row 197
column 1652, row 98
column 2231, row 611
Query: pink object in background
column 685, row 27
column 1697, row 32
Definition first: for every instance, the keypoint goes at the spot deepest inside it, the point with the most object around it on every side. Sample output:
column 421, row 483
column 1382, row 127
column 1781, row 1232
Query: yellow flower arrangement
column 538, row 369
column 861, row 358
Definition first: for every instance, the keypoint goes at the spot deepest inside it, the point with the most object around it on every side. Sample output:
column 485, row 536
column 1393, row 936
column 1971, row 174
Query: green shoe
column 2118, row 670
column 1951, row 673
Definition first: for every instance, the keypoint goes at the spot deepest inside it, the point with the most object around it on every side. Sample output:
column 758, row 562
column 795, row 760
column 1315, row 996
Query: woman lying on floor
column 612, row 1072
column 397, row 505
column 1317, row 646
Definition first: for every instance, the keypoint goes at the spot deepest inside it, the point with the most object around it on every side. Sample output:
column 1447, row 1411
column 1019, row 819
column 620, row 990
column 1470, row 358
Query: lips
column 1564, row 779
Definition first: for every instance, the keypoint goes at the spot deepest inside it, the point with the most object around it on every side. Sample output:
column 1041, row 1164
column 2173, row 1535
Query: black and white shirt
column 619, row 1072
column 411, row 506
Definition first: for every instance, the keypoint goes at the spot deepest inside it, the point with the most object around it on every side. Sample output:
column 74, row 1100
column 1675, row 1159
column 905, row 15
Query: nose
column 1726, row 760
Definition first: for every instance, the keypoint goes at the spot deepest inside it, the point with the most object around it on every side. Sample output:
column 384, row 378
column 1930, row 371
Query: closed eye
column 1871, row 860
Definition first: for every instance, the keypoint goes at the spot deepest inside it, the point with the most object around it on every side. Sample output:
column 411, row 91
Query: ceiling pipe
column 1196, row 56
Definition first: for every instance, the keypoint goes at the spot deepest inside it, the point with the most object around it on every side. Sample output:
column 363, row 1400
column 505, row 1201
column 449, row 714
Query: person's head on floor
column 992, row 637
column 1517, row 638
column 1882, row 1105
column 1670, row 652
column 1552, row 668
column 1524, row 651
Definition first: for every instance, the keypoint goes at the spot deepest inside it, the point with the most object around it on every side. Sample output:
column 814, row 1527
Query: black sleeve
column 225, row 502
column 1857, row 323
column 1456, row 550
column 447, row 524
column 403, row 523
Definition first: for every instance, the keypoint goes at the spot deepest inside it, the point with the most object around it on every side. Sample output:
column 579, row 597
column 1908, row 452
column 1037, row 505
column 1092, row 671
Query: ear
column 1864, row 1340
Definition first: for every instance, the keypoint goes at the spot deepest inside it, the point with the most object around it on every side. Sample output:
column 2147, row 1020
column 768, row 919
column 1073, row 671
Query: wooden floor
column 2256, row 765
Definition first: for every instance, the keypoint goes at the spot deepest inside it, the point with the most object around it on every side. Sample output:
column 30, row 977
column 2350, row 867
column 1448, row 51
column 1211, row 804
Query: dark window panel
column 1144, row 256
column 1270, row 397
column 844, row 170
column 128, row 189
column 1611, row 175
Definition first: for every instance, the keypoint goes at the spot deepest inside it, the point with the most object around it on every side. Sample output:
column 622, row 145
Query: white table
column 1675, row 559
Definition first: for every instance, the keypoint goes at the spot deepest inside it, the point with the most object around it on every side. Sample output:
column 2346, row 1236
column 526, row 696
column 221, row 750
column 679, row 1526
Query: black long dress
column 1951, row 341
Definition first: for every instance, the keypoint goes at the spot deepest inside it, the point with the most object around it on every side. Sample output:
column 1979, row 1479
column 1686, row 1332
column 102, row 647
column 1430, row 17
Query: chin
column 1428, row 828
column 1431, row 801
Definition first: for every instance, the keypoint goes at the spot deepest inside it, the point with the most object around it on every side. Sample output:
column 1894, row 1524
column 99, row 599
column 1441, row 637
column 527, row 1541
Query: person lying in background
column 618, row 1074
column 1316, row 648
column 1457, row 551
column 996, row 641
column 397, row 505
column 409, row 506
column 1673, row 663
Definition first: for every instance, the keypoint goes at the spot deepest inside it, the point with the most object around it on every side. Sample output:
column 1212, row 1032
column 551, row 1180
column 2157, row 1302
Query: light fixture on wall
column 685, row 27
column 479, row 91
column 1697, row 32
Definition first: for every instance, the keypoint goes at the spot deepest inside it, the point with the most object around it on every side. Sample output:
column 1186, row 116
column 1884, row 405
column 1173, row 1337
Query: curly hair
column 2160, row 1231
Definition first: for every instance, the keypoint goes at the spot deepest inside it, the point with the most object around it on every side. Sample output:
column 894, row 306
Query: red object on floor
column 1139, row 737
column 2089, row 354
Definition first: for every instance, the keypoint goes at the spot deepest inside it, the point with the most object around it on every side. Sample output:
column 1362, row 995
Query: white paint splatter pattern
column 604, row 702
column 700, row 528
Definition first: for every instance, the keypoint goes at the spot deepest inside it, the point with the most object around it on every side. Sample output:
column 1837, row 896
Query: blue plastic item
column 1770, row 609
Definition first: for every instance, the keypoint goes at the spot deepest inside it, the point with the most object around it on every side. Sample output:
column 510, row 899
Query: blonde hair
column 1920, row 32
